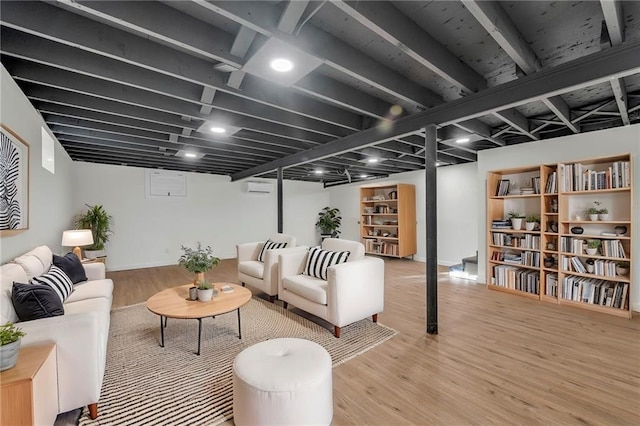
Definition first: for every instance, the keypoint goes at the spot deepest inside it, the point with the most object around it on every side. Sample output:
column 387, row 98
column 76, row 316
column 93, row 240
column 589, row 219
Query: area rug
column 145, row 384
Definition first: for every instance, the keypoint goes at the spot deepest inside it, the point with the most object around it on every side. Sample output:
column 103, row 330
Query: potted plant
column 205, row 291
column 99, row 221
column 603, row 214
column 622, row 268
column 531, row 221
column 592, row 246
column 329, row 221
column 592, row 212
column 516, row 219
column 198, row 260
column 10, row 337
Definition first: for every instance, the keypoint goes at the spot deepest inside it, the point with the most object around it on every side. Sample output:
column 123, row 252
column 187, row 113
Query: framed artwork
column 14, row 190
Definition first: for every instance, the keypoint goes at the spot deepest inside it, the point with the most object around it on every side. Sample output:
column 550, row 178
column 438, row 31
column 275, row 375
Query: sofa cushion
column 253, row 268
column 91, row 290
column 269, row 245
column 71, row 266
column 310, row 288
column 57, row 280
column 35, row 301
column 35, row 262
column 319, row 260
column 9, row 273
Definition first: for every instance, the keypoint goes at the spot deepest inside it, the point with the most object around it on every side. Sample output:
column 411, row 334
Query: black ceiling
column 132, row 82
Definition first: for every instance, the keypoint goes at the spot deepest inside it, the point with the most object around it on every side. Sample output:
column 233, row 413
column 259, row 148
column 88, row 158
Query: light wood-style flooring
column 498, row 358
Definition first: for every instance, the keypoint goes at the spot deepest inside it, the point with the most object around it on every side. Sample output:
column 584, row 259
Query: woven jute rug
column 146, row 384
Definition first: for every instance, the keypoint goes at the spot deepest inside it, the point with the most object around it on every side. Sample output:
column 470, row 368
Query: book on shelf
column 516, row 278
column 595, row 291
column 552, row 185
column 503, row 188
column 552, row 285
column 578, row 177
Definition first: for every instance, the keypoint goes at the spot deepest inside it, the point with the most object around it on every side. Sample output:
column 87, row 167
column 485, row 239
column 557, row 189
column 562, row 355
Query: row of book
column 612, row 248
column 380, row 247
column 526, row 258
column 501, row 224
column 608, row 248
column 551, row 284
column 595, row 291
column 604, row 268
column 516, row 278
column 504, row 188
column 552, row 184
column 578, row 177
column 528, row 241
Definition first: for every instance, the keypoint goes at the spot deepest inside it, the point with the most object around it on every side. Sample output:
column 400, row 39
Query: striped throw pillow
column 319, row 260
column 57, row 280
column 269, row 245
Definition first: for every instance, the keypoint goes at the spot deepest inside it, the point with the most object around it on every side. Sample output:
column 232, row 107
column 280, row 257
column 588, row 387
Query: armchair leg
column 374, row 317
column 285, row 304
column 336, row 331
column 272, row 299
column 93, row 410
column 242, row 284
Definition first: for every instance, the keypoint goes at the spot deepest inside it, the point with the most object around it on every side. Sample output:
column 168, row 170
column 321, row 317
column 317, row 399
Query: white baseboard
column 116, row 267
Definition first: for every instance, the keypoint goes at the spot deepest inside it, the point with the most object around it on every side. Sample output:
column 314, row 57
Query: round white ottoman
column 283, row 382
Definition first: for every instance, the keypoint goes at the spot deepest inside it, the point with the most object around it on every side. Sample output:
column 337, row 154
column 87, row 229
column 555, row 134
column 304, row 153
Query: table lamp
column 76, row 238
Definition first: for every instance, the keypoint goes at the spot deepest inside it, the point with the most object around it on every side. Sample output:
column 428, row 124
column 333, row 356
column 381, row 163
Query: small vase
column 593, row 217
column 589, row 268
column 199, row 277
column 516, row 223
column 621, row 270
column 603, row 216
column 9, row 355
column 529, row 226
column 592, row 251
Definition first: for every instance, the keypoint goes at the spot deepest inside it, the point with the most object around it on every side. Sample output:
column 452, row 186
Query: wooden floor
column 498, row 358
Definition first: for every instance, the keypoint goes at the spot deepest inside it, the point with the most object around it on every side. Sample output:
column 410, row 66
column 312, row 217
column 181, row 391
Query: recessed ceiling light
column 216, row 129
column 281, row 65
column 462, row 140
column 438, row 164
column 372, row 160
column 318, row 172
column 190, row 155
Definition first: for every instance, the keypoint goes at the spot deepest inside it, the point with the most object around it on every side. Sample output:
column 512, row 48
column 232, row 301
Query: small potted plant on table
column 206, row 291
column 198, row 261
column 10, row 337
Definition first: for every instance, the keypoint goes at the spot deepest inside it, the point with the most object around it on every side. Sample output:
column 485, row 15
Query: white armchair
column 353, row 290
column 263, row 275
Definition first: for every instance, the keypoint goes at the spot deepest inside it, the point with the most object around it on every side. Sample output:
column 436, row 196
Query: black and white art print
column 14, row 192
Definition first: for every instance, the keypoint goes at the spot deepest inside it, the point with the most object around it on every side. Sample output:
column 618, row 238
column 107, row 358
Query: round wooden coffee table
column 174, row 303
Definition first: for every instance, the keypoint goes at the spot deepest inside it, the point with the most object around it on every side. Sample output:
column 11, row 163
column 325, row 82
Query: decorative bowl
column 621, row 229
column 577, row 230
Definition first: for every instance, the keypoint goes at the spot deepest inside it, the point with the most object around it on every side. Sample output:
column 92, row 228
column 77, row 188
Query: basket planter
column 9, row 355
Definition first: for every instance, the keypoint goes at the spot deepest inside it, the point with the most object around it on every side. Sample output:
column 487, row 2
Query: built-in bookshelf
column 388, row 220
column 568, row 257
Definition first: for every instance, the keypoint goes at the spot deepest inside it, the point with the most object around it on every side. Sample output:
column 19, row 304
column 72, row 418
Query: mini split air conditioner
column 259, row 187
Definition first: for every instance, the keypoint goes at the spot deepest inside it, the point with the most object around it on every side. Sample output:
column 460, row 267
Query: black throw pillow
column 35, row 301
column 71, row 265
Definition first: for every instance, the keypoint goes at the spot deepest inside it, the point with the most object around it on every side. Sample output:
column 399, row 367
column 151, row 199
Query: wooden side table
column 29, row 390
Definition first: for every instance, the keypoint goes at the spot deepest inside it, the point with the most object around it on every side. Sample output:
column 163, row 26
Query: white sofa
column 263, row 275
column 80, row 334
column 353, row 290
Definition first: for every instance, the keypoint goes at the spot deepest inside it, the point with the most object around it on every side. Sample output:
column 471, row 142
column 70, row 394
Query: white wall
column 50, row 195
column 566, row 149
column 149, row 231
column 457, row 203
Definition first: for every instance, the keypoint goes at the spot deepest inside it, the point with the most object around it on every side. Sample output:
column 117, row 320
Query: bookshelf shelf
column 568, row 189
column 389, row 203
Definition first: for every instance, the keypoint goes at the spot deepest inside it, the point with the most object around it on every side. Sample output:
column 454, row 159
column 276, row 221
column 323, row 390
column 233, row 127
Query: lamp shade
column 77, row 237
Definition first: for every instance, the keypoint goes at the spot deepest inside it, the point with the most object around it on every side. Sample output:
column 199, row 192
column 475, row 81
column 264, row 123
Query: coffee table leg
column 239, row 329
column 165, row 321
column 161, row 333
column 199, row 334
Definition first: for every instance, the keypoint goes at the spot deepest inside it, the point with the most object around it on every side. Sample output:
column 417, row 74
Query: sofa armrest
column 355, row 290
column 81, row 354
column 249, row 251
column 95, row 271
column 291, row 263
column 271, row 260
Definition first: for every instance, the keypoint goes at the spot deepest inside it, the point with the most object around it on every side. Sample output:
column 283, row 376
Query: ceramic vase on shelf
column 621, row 270
column 603, row 216
column 516, row 223
column 529, row 226
column 593, row 217
column 592, row 251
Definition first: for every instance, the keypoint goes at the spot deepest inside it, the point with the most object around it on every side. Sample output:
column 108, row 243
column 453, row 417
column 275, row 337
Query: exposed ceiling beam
column 243, row 41
column 586, row 71
column 80, row 32
column 499, row 25
column 263, row 17
column 386, row 21
column 614, row 19
column 516, row 121
column 293, row 11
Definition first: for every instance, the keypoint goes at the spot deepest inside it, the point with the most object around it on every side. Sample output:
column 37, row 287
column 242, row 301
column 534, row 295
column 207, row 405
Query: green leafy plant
column 593, row 244
column 99, row 221
column 533, row 218
column 199, row 259
column 9, row 333
column 603, row 211
column 515, row 215
column 329, row 221
column 204, row 285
